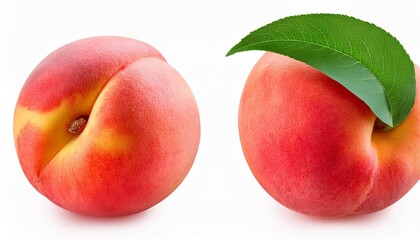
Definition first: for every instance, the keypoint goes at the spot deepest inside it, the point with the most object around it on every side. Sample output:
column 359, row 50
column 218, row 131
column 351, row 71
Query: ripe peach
column 104, row 126
column 312, row 144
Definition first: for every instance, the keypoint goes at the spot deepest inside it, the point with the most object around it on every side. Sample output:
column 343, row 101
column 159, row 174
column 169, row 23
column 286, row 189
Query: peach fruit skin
column 141, row 137
column 310, row 142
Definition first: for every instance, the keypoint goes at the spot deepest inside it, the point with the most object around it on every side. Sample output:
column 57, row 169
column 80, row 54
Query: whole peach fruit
column 313, row 145
column 104, row 126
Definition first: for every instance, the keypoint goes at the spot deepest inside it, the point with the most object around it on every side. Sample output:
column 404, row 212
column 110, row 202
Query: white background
column 219, row 199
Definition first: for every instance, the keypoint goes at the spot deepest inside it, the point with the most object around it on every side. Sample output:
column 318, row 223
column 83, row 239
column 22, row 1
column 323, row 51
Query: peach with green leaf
column 333, row 128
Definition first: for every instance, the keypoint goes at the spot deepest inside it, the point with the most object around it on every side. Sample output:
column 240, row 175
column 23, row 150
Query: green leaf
column 364, row 58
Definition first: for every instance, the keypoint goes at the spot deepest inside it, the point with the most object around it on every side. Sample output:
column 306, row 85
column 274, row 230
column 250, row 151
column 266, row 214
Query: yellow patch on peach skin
column 397, row 144
column 112, row 141
column 54, row 123
column 63, row 115
column 53, row 137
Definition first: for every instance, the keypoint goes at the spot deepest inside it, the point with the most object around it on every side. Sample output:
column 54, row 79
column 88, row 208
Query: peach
column 104, row 126
column 313, row 145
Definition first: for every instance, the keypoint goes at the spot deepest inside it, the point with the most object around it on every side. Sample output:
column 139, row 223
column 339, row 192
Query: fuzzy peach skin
column 312, row 146
column 141, row 136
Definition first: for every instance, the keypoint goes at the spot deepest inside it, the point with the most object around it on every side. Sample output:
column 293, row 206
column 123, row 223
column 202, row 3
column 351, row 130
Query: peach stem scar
column 78, row 125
